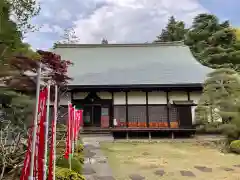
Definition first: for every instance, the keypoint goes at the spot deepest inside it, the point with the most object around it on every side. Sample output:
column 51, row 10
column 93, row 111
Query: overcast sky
column 120, row 20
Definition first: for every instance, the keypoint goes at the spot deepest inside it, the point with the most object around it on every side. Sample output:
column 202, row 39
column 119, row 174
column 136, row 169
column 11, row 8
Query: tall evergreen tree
column 237, row 30
column 174, row 31
column 213, row 43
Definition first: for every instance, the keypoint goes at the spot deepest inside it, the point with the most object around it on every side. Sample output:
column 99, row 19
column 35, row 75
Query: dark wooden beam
column 112, row 110
column 168, row 109
column 126, row 102
column 147, row 113
column 188, row 94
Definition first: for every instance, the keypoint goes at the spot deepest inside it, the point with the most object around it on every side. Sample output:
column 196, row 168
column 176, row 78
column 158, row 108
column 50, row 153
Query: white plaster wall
column 193, row 108
column 105, row 95
column 136, row 97
column 157, row 97
column 119, row 98
column 177, row 96
column 195, row 96
column 80, row 95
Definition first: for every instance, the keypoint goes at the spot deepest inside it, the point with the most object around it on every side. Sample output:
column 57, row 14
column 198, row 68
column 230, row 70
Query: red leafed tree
column 21, row 71
column 55, row 67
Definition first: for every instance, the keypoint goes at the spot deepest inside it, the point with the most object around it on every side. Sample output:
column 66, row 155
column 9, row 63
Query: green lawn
column 145, row 158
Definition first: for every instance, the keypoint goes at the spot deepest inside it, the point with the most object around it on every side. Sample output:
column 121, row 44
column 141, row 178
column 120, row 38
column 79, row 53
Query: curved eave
column 194, row 86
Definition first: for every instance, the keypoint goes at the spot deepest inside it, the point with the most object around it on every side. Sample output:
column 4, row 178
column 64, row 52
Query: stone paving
column 95, row 163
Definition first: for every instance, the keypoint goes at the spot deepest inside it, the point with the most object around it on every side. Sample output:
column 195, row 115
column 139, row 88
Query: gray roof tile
column 137, row 64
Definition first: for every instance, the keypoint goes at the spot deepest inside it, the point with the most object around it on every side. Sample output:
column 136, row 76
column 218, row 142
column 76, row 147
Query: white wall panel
column 178, row 96
column 80, row 95
column 157, row 97
column 136, row 97
column 105, row 95
column 195, row 96
column 119, row 98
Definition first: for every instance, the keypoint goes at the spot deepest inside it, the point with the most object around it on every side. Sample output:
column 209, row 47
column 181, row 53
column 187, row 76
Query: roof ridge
column 173, row 43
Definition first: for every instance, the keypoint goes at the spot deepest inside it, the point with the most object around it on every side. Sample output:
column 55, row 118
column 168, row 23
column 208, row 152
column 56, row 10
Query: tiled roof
column 132, row 64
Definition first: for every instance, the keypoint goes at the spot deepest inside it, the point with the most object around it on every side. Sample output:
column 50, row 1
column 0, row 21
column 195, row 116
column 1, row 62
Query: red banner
column 41, row 137
column 39, row 148
column 79, row 115
column 69, row 132
column 26, row 167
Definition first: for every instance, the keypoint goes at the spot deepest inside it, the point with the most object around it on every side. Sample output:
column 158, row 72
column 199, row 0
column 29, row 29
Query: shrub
column 66, row 174
column 61, row 131
column 80, row 148
column 210, row 128
column 64, row 163
column 230, row 131
column 79, row 157
column 235, row 146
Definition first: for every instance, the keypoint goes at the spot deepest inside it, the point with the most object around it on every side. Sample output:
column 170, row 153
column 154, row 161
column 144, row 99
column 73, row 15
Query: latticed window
column 174, row 117
column 120, row 115
column 137, row 116
column 158, row 116
column 173, row 113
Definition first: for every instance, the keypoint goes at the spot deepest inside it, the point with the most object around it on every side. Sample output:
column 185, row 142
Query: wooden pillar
column 126, row 102
column 149, row 136
column 168, row 110
column 112, row 111
column 188, row 95
column 173, row 136
column 147, row 113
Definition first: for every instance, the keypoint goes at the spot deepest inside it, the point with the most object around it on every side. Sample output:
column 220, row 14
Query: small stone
column 227, row 169
column 187, row 173
column 160, row 172
column 88, row 154
column 203, row 168
column 136, row 177
column 145, row 154
column 238, row 165
column 102, row 161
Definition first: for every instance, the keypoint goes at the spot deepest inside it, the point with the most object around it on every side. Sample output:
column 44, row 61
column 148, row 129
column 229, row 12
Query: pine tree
column 221, row 93
column 237, row 30
column 213, row 43
column 174, row 31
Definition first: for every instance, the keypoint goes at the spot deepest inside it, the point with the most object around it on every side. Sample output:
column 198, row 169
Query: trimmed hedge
column 235, row 146
column 66, row 174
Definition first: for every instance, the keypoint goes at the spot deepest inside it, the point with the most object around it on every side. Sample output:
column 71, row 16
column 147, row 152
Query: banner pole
column 77, row 129
column 34, row 135
column 46, row 133
column 73, row 132
column 69, row 134
column 54, row 130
